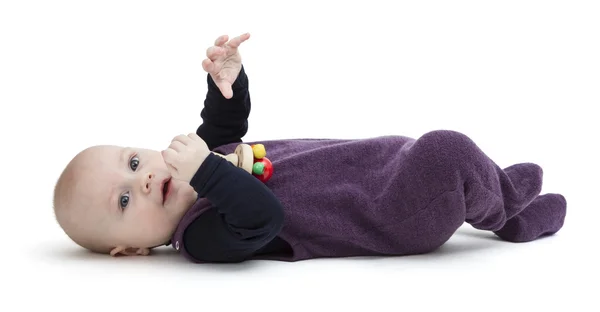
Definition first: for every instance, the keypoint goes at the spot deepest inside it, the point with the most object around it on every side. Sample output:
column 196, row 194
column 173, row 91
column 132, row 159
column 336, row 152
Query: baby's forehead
column 99, row 152
column 97, row 173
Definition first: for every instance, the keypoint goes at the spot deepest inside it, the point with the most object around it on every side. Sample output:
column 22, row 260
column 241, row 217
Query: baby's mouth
column 166, row 189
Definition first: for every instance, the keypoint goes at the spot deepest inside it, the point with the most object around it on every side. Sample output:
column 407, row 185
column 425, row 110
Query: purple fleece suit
column 395, row 195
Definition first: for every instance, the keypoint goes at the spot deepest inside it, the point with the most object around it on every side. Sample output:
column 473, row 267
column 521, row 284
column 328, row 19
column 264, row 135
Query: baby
column 388, row 195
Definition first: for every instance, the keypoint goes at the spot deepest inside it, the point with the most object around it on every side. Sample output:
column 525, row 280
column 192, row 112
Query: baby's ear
column 129, row 251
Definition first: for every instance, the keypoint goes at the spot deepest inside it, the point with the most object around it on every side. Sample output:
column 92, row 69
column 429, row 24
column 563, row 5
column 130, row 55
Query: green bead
column 258, row 168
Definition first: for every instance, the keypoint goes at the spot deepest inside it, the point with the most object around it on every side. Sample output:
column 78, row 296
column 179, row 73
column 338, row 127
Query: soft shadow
column 463, row 243
column 454, row 248
column 62, row 253
column 164, row 255
column 479, row 234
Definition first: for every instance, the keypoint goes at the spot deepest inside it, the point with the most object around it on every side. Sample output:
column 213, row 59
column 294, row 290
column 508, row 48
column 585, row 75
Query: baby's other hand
column 185, row 155
column 224, row 62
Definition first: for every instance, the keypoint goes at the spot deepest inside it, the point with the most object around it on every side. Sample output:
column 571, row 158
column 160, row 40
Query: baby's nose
column 147, row 181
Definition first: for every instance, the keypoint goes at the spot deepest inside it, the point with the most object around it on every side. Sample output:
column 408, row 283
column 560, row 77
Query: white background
column 519, row 77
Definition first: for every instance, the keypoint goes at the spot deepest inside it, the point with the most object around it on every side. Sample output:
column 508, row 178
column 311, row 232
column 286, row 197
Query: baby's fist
column 185, row 155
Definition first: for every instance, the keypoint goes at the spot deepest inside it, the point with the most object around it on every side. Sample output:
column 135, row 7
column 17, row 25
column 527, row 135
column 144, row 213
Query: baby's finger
column 214, row 52
column 208, row 66
column 177, row 146
column 235, row 42
column 169, row 155
column 183, row 139
column 221, row 40
column 173, row 170
column 194, row 136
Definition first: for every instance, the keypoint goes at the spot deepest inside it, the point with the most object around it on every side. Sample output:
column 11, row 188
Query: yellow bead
column 259, row 151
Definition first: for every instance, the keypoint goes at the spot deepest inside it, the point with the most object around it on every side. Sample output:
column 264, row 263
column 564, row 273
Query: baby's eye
column 124, row 200
column 133, row 163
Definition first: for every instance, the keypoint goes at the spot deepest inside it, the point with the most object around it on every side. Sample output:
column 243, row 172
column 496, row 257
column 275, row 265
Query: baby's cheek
column 161, row 226
column 185, row 197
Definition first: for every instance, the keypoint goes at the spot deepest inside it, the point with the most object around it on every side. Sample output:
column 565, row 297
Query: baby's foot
column 526, row 185
column 544, row 216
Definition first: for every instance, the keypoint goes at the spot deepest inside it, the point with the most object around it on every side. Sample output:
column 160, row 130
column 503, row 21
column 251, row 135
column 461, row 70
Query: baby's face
column 132, row 196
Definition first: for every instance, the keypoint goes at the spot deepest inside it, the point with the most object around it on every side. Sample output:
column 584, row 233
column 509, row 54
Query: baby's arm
column 225, row 120
column 227, row 104
column 245, row 216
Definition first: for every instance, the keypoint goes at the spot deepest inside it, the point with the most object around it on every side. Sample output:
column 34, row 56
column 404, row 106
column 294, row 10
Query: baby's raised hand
column 185, row 155
column 224, row 62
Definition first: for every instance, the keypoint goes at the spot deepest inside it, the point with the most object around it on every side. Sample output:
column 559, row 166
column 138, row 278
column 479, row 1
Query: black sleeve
column 225, row 120
column 246, row 215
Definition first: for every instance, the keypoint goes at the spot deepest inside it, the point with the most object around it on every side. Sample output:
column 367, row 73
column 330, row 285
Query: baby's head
column 111, row 199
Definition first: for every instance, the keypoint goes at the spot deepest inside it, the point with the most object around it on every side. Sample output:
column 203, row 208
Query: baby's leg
column 490, row 198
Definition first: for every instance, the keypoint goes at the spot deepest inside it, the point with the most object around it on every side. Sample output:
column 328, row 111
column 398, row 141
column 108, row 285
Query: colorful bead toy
column 262, row 167
column 251, row 158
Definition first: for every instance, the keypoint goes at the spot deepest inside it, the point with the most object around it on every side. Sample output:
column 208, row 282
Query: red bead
column 268, row 169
